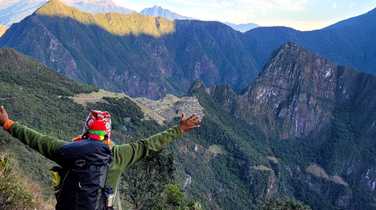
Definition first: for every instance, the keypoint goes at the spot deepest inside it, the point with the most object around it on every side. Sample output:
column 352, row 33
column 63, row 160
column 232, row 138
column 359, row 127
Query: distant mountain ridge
column 349, row 42
column 242, row 27
column 157, row 11
column 178, row 52
column 145, row 56
column 13, row 11
column 98, row 6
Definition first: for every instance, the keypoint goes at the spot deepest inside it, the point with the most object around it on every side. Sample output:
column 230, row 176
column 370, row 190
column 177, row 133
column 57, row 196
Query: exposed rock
column 326, row 114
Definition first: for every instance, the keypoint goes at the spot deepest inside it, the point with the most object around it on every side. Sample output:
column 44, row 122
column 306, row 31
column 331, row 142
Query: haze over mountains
column 157, row 11
column 13, row 11
column 243, row 27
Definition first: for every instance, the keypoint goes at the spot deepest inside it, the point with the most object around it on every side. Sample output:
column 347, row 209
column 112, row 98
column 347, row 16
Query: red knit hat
column 97, row 121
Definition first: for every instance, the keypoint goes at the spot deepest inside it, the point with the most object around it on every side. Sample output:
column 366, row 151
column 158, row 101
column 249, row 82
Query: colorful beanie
column 97, row 127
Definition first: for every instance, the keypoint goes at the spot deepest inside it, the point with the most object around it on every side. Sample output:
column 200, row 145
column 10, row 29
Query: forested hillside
column 140, row 55
column 41, row 99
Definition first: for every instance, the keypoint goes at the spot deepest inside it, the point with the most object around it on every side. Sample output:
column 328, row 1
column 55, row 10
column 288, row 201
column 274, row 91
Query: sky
column 299, row 14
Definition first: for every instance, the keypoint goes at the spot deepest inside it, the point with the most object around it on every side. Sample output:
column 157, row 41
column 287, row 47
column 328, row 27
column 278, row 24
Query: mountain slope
column 232, row 161
column 223, row 164
column 42, row 99
column 2, row 30
column 157, row 11
column 112, row 46
column 349, row 42
column 319, row 118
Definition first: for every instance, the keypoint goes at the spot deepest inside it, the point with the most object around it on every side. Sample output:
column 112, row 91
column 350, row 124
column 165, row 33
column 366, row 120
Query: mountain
column 319, row 120
column 223, row 164
column 242, row 27
column 349, row 42
column 157, row 11
column 40, row 98
column 135, row 54
column 13, row 11
column 98, row 6
column 2, row 30
column 253, row 146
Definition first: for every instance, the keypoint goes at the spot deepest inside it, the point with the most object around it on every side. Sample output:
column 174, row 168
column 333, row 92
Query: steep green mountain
column 349, row 42
column 135, row 54
column 149, row 56
column 319, row 119
column 226, row 164
column 42, row 99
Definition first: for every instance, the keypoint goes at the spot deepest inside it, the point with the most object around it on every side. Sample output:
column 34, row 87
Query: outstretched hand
column 187, row 124
column 3, row 115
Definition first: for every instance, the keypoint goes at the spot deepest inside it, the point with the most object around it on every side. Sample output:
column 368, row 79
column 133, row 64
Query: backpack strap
column 102, row 191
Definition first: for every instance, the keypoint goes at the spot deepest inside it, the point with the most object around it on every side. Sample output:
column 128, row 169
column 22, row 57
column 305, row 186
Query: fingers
column 2, row 109
column 194, row 121
column 193, row 117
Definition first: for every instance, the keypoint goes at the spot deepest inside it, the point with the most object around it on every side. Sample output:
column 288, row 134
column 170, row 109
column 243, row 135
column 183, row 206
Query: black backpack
column 83, row 172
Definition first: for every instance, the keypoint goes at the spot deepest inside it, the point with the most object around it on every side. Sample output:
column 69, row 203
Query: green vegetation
column 150, row 56
column 39, row 98
column 226, row 164
column 173, row 198
column 115, row 23
column 284, row 204
column 12, row 192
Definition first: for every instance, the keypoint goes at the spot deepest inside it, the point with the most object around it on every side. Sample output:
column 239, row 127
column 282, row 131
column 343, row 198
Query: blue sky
column 300, row 14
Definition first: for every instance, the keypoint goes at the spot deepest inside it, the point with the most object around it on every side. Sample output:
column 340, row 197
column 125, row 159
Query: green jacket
column 124, row 155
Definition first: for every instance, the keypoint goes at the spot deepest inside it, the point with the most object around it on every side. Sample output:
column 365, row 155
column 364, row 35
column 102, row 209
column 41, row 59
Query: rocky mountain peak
column 54, row 7
column 198, row 86
column 295, row 93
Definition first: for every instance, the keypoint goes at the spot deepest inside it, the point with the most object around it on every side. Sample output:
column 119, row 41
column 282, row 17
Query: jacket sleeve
column 45, row 145
column 127, row 154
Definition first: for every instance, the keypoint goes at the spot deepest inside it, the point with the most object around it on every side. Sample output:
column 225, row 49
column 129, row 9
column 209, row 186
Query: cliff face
column 295, row 94
column 320, row 121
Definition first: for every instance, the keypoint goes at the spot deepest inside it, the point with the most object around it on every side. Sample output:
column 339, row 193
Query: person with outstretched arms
column 89, row 168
